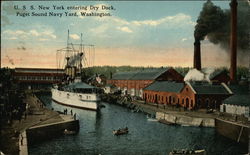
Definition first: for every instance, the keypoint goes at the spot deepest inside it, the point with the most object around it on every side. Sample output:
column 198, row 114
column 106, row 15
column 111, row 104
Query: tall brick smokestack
column 197, row 54
column 233, row 40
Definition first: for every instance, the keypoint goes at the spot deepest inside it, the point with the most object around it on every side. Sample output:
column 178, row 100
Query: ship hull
column 77, row 100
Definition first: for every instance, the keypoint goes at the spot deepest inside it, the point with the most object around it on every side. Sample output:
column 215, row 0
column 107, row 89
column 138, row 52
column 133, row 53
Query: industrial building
column 238, row 104
column 132, row 83
column 195, row 95
column 37, row 77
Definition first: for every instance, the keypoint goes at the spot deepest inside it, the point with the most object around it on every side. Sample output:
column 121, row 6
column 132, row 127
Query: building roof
column 239, row 89
column 123, row 75
column 238, row 99
column 165, row 86
column 145, row 74
column 207, row 88
column 149, row 74
column 217, row 72
column 241, row 95
column 38, row 70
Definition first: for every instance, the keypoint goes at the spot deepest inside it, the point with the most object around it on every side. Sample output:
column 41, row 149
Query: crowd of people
column 12, row 106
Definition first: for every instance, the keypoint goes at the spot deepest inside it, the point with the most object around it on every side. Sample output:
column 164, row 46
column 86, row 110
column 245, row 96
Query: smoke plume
column 75, row 59
column 194, row 75
column 214, row 23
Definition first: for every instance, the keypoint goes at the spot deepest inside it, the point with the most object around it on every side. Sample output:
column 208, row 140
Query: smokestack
column 197, row 54
column 233, row 40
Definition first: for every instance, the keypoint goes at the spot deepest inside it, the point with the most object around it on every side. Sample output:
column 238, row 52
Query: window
column 186, row 89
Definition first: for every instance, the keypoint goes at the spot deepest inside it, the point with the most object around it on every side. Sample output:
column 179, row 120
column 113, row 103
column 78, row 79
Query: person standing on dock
column 71, row 112
column 21, row 139
column 75, row 116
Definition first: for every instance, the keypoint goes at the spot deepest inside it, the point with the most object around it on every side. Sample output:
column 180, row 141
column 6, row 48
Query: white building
column 237, row 104
column 109, row 88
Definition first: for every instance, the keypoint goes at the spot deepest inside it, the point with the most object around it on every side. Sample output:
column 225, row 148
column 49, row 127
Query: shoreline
column 171, row 115
column 36, row 114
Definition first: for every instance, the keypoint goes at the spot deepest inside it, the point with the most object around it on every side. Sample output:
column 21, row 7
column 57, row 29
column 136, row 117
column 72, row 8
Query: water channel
column 146, row 136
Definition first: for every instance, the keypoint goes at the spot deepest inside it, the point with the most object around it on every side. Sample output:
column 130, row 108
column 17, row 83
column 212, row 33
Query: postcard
column 115, row 69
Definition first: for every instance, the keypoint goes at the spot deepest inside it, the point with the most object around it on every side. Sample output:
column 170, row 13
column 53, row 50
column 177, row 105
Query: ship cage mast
column 75, row 58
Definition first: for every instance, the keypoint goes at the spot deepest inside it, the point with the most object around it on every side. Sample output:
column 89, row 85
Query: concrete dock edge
column 23, row 144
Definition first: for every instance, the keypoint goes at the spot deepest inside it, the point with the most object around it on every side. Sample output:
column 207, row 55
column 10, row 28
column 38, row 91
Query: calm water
column 145, row 135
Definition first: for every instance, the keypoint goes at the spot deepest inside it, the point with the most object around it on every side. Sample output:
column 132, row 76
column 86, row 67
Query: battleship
column 72, row 91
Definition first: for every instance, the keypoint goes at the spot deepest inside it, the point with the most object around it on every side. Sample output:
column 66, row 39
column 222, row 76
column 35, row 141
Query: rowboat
column 69, row 132
column 189, row 152
column 120, row 131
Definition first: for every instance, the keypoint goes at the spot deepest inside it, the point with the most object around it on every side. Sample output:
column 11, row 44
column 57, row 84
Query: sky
column 140, row 33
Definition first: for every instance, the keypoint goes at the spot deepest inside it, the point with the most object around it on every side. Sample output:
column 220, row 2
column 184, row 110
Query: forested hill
column 242, row 72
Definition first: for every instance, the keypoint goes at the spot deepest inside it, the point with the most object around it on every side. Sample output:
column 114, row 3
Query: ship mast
column 67, row 51
column 81, row 54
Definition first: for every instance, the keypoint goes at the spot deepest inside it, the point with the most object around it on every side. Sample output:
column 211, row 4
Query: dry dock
column 38, row 123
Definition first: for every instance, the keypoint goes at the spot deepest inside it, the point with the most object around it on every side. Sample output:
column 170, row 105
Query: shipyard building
column 33, row 78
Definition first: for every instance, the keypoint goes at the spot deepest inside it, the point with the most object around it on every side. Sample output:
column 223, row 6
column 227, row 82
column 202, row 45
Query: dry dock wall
column 237, row 132
column 48, row 131
column 185, row 120
column 23, row 145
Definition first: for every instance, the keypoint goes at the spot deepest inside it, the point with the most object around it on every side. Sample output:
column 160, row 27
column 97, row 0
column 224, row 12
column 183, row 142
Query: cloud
column 74, row 36
column 10, row 32
column 34, row 33
column 43, row 39
column 184, row 39
column 49, row 34
column 20, row 34
column 125, row 29
column 175, row 20
column 100, row 29
column 13, row 38
column 107, row 24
